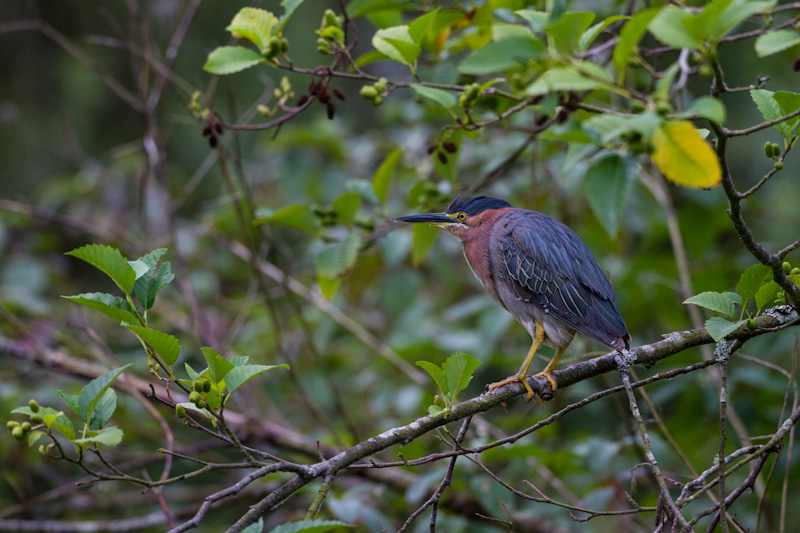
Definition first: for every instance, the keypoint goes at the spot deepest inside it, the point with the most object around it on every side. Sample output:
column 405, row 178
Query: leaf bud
column 752, row 324
column 26, row 426
column 11, row 424
column 378, row 100
column 768, row 150
column 436, row 400
column 18, row 433
column 787, row 267
column 201, row 403
column 432, row 148
column 369, row 92
column 302, row 100
column 206, row 386
column 442, row 157
column 36, row 418
column 34, row 405
column 330, row 107
column 339, row 93
column 206, row 132
column 180, row 410
column 778, row 165
column 449, row 147
column 194, row 397
column 212, row 142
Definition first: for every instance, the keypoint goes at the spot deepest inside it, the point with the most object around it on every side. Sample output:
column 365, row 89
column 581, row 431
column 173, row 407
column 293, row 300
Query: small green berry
column 323, row 46
column 787, row 267
column 284, row 45
column 663, row 107
column 752, row 324
column 378, row 100
column 331, row 19
column 380, row 85
column 201, row 403
column 36, row 418
column 637, row 106
column 705, row 71
column 26, row 426
column 194, row 397
column 263, row 110
column 197, row 386
column 34, row 405
column 369, row 92
column 11, row 424
column 778, row 165
column 18, row 433
column 776, row 149
column 206, row 386
column 795, row 271
column 180, row 410
column 768, row 150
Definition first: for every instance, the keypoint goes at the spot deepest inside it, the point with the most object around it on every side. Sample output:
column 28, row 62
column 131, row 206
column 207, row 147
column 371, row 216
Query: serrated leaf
column 629, row 37
column 218, row 366
column 789, row 103
column 719, row 328
column 684, row 157
column 719, row 20
column 396, row 43
column 713, row 301
column 766, row 294
column 308, row 526
column 751, row 280
column 422, row 238
column 147, row 287
column 111, row 306
column 164, row 344
column 380, row 182
column 440, row 96
column 458, row 369
column 776, row 41
column 110, row 437
column 288, row 8
column 335, row 260
column 231, row 59
column 588, row 36
column 669, row 28
column 254, row 25
column 706, row 107
column 109, row 261
column 734, row 297
column 239, row 360
column 94, row 390
column 438, row 375
column 105, row 408
column 567, row 30
column 297, row 216
column 498, row 56
column 146, row 263
column 609, row 182
column 70, row 399
column 240, row 375
column 771, row 110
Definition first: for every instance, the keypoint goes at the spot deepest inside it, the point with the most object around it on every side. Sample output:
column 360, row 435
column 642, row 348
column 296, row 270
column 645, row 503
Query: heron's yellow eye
column 462, row 216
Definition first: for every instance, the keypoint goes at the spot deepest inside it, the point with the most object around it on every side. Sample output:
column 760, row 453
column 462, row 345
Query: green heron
column 539, row 270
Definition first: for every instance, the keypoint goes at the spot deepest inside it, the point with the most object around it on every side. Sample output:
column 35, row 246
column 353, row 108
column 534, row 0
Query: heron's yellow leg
column 547, row 373
column 538, row 337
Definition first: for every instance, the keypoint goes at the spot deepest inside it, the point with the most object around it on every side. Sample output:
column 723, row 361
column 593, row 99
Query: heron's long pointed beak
column 439, row 219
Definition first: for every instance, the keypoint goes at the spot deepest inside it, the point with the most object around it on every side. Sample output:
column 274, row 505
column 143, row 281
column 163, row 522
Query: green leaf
column 751, row 280
column 254, row 25
column 147, row 287
column 239, row 360
column 363, row 188
column 609, row 127
column 419, row 27
column 713, row 301
column 458, row 369
column 734, row 297
column 231, row 59
column 789, row 103
column 109, row 261
column 609, row 184
column 288, row 8
column 105, row 408
column 70, row 399
column 777, row 41
column 684, row 157
column 719, row 328
column 440, row 96
column 567, row 30
column 308, row 526
column 111, row 306
column 766, row 294
column 256, row 527
column 669, row 28
column 629, row 37
column 109, row 436
column 296, row 216
column 718, row 18
column 537, row 19
column 581, row 76
column 501, row 55
column 422, row 238
column 240, row 375
column 165, row 345
column 193, row 376
column 147, row 262
column 328, row 287
column 380, row 182
column 94, row 390
column 588, row 36
column 52, row 419
column 34, row 436
column 438, row 375
column 335, row 260
column 706, row 107
column 218, row 366
column 396, row 43
column 346, row 206
column 771, row 110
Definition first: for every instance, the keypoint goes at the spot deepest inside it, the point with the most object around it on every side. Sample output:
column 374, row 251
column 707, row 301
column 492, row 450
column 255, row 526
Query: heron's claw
column 519, row 377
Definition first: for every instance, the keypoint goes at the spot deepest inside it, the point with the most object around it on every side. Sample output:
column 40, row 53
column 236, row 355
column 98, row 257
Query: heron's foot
column 522, row 378
column 548, row 375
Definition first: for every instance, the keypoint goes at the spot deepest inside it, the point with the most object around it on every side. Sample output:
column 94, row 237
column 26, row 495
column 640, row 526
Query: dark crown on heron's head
column 475, row 205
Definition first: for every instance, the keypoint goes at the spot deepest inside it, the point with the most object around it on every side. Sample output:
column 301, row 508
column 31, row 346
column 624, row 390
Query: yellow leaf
column 684, row 157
